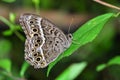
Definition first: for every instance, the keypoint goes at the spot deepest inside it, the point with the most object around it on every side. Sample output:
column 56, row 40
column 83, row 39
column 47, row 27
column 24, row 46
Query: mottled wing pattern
column 55, row 40
column 45, row 42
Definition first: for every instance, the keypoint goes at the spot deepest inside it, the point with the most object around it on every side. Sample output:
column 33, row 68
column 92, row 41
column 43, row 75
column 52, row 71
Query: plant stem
column 107, row 4
column 23, row 69
column 19, row 36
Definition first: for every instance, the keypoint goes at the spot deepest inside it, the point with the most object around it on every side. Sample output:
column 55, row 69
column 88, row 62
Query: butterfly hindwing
column 45, row 42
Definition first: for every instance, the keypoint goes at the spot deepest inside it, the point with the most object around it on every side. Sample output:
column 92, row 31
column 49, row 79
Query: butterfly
column 44, row 40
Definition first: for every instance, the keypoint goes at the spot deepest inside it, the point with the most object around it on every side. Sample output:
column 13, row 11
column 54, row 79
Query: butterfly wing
column 45, row 42
column 55, row 41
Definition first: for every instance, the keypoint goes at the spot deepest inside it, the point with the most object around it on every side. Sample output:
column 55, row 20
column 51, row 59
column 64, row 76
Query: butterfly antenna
column 70, row 25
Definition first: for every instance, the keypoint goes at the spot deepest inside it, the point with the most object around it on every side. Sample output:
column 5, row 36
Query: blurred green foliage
column 72, row 71
column 9, row 1
column 5, row 47
column 37, row 3
column 113, row 61
column 6, row 64
column 13, row 27
column 23, row 69
column 99, row 56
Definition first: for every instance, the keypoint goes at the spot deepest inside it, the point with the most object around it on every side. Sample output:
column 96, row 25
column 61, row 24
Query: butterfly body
column 45, row 42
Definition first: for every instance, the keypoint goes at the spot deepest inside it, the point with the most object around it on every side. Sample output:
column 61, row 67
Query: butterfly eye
column 69, row 35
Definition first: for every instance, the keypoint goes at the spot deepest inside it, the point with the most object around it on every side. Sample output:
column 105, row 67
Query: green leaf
column 88, row 32
column 5, row 64
column 9, row 1
column 37, row 3
column 5, row 21
column 83, row 35
column 20, row 36
column 12, row 17
column 72, row 71
column 101, row 67
column 2, row 77
column 115, row 60
column 8, row 32
column 11, row 25
column 5, row 47
column 23, row 69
